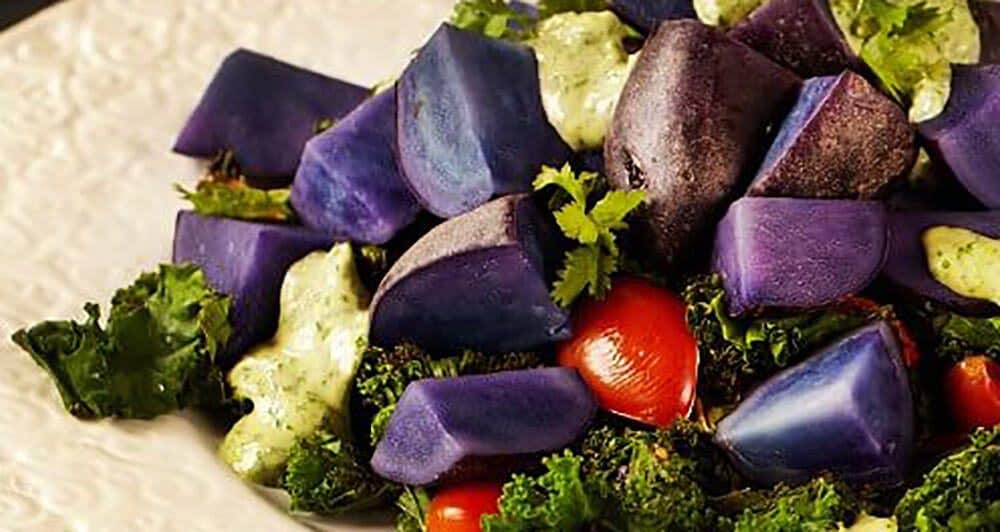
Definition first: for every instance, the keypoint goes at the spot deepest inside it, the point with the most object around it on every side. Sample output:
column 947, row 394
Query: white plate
column 92, row 93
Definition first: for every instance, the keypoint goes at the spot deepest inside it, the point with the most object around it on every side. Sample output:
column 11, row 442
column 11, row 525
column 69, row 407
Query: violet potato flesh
column 647, row 15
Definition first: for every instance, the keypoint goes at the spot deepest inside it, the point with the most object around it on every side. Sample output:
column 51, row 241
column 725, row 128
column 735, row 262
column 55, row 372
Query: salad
column 625, row 265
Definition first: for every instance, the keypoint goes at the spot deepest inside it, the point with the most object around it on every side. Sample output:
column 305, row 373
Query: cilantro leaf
column 588, row 267
column 155, row 355
column 492, row 18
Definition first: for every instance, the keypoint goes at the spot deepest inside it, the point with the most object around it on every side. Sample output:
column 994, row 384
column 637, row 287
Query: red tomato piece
column 635, row 352
column 973, row 390
column 459, row 508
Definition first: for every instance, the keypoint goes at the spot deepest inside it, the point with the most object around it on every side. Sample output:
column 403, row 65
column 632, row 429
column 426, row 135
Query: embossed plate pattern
column 92, row 93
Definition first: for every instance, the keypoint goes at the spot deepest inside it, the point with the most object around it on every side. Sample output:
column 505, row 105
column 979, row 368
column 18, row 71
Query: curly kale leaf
column 822, row 504
column 224, row 192
column 326, row 475
column 957, row 336
column 155, row 355
column 736, row 352
column 652, row 480
column 962, row 492
column 384, row 375
column 560, row 499
column 493, row 18
column 413, row 505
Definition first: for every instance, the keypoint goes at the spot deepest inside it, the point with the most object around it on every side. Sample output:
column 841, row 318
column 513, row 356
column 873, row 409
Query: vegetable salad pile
column 626, row 265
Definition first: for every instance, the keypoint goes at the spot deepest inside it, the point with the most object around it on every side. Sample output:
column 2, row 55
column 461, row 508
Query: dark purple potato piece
column 906, row 267
column 690, row 120
column 478, row 281
column 588, row 161
column 443, row 424
column 646, row 15
column 987, row 15
column 348, row 184
column 802, row 35
column 471, row 122
column 248, row 261
column 264, row 110
column 966, row 135
column 843, row 139
column 788, row 253
column 846, row 410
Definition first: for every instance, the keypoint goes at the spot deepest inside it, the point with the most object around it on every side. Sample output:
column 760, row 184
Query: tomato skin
column 635, row 352
column 459, row 508
column 907, row 345
column 972, row 388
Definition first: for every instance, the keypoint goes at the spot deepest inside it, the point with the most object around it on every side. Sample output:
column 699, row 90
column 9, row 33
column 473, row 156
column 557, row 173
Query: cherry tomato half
column 635, row 352
column 973, row 390
column 458, row 508
column 908, row 346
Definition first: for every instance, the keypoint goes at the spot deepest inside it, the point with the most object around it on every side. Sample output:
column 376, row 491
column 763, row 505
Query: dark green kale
column 384, row 374
column 822, row 504
column 962, row 492
column 155, row 355
column 957, row 336
column 326, row 475
column 653, row 480
column 737, row 352
column 560, row 499
column 413, row 505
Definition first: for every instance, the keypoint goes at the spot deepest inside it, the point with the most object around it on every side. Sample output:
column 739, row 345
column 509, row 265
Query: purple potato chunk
column 442, row 425
column 264, row 110
column 797, row 254
column 247, row 261
column 348, row 184
column 843, row 139
column 906, row 267
column 966, row 135
column 470, row 122
column 987, row 15
column 478, row 281
column 802, row 35
column 690, row 121
column 646, row 15
column 847, row 410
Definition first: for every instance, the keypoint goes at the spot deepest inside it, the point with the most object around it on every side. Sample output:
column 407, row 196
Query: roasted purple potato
column 906, row 267
column 847, row 410
column 478, row 281
column 441, row 427
column 802, row 35
column 348, row 184
column 843, row 139
column 264, row 111
column 797, row 254
column 470, row 122
column 646, row 15
column 966, row 135
column 247, row 261
column 691, row 118
column 987, row 15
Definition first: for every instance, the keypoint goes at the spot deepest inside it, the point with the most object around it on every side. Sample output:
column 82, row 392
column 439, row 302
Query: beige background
column 92, row 93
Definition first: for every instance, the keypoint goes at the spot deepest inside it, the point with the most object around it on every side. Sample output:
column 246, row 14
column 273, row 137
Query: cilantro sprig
column 592, row 224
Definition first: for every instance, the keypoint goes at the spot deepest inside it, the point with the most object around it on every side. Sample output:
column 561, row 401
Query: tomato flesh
column 635, row 352
column 459, row 508
column 973, row 390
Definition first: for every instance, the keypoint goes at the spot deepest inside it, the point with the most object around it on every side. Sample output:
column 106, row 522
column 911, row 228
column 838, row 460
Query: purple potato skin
column 470, row 122
column 439, row 424
column 247, row 261
column 478, row 281
column 264, row 110
column 843, row 139
column 987, row 15
column 966, row 135
column 847, row 410
column 647, row 15
column 802, row 35
column 689, row 122
column 797, row 254
column 906, row 267
column 348, row 184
